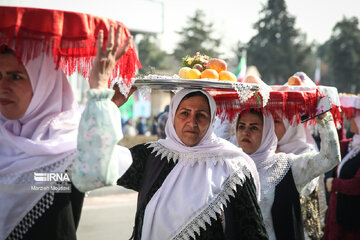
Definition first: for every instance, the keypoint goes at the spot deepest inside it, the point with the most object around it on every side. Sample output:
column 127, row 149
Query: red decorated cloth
column 290, row 104
column 70, row 37
column 350, row 105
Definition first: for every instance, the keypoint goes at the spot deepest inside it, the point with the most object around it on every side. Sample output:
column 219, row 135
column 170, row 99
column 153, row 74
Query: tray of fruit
column 198, row 71
column 173, row 83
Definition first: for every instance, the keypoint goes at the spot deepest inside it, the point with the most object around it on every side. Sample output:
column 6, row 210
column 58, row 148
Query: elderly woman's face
column 15, row 87
column 249, row 132
column 192, row 120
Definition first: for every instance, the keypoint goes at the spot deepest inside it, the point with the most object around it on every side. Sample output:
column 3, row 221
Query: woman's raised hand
column 105, row 60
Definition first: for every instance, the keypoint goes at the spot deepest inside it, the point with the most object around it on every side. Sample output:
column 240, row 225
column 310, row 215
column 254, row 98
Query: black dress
column 58, row 222
column 243, row 219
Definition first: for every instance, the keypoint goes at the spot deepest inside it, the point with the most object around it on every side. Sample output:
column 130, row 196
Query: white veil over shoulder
column 295, row 139
column 271, row 166
column 199, row 181
column 43, row 140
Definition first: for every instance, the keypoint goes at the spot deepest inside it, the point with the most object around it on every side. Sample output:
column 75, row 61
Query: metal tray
column 176, row 84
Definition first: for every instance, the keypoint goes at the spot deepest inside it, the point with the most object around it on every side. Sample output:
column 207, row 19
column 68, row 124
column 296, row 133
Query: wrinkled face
column 192, row 120
column 15, row 87
column 353, row 126
column 279, row 127
column 249, row 132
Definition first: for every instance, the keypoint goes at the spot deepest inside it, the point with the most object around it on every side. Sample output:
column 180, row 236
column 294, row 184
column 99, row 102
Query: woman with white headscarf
column 342, row 220
column 191, row 184
column 38, row 130
column 283, row 176
column 297, row 139
column 39, row 122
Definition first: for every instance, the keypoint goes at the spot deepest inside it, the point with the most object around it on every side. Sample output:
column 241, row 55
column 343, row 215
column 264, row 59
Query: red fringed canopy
column 291, row 104
column 70, row 37
column 350, row 105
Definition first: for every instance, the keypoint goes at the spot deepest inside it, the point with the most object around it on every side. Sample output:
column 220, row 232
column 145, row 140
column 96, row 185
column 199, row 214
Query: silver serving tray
column 176, row 84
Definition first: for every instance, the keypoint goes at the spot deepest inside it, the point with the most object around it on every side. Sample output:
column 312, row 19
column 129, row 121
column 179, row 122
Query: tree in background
column 196, row 36
column 150, row 55
column 343, row 55
column 278, row 50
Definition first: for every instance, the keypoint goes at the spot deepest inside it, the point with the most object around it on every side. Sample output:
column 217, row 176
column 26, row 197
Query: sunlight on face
column 249, row 132
column 192, row 120
column 15, row 87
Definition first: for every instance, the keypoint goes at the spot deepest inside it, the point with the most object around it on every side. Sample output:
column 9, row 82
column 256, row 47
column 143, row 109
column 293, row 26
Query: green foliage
column 343, row 55
column 196, row 36
column 278, row 50
column 151, row 56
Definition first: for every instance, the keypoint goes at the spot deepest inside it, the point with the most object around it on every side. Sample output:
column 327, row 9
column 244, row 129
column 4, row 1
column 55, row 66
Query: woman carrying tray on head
column 39, row 122
column 297, row 139
column 283, row 176
column 191, row 184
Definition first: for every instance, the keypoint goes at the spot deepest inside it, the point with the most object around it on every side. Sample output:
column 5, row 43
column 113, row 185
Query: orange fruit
column 193, row 74
column 252, row 79
column 216, row 64
column 228, row 76
column 183, row 71
column 210, row 74
column 294, row 80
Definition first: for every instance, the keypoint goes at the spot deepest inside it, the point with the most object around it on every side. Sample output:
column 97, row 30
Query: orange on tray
column 228, row 76
column 210, row 74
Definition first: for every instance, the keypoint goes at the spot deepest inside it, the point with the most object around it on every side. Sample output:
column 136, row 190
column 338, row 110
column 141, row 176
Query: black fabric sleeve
column 243, row 218
column 60, row 221
column 132, row 178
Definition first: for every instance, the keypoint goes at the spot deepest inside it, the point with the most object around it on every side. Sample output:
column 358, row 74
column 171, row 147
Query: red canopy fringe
column 350, row 112
column 68, row 36
column 289, row 104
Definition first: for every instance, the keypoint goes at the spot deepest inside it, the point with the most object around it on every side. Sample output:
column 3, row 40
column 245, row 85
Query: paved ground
column 108, row 214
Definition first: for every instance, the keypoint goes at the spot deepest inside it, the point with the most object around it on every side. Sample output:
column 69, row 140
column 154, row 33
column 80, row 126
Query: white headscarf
column 272, row 167
column 295, row 139
column 305, row 79
column 355, row 147
column 40, row 141
column 198, row 182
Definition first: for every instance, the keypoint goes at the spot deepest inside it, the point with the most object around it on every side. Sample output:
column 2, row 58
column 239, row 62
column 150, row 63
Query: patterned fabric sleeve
column 99, row 132
column 307, row 166
column 347, row 186
column 133, row 176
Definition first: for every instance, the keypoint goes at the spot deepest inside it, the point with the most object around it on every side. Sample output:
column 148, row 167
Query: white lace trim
column 272, row 176
column 211, row 210
column 244, row 92
column 45, row 201
column 124, row 89
column 191, row 158
column 216, row 206
column 28, row 177
column 31, row 217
